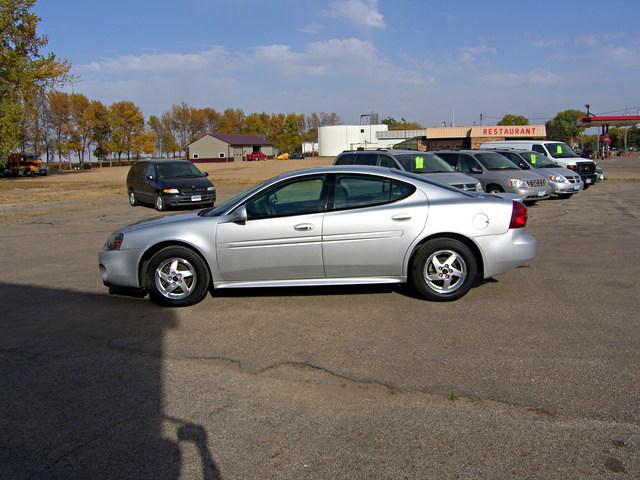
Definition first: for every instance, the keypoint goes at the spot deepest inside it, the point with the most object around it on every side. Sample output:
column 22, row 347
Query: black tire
column 493, row 188
column 133, row 200
column 159, row 203
column 188, row 259
column 565, row 195
column 442, row 249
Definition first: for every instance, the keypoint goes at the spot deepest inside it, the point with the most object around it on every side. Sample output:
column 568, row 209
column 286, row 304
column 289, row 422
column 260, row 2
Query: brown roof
column 236, row 139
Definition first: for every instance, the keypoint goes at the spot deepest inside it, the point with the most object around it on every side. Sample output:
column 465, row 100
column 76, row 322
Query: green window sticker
column 559, row 149
column 419, row 163
column 533, row 158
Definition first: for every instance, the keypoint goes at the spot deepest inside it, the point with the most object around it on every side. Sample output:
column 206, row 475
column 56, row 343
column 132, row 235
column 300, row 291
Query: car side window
column 466, row 164
column 517, row 159
column 386, row 161
column 150, row 170
column 370, row 159
column 356, row 191
column 298, row 197
column 539, row 149
column 450, row 158
column 346, row 159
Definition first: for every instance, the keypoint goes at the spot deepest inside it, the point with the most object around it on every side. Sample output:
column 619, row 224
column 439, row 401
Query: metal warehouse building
column 227, row 147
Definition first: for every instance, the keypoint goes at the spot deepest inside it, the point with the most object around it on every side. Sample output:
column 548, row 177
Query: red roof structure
column 611, row 120
column 237, row 139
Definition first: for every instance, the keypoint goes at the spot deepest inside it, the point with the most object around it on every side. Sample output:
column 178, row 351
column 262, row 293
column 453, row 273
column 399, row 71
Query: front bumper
column 502, row 253
column 533, row 193
column 565, row 187
column 186, row 200
column 119, row 268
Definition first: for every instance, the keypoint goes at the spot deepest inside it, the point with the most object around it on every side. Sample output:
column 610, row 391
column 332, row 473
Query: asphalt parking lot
column 534, row 374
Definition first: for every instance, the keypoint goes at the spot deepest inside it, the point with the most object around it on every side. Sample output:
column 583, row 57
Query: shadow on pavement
column 82, row 389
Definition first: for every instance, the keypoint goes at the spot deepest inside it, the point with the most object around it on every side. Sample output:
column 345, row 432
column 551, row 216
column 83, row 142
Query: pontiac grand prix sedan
column 325, row 226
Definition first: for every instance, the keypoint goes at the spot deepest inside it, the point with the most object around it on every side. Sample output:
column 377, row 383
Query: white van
column 559, row 152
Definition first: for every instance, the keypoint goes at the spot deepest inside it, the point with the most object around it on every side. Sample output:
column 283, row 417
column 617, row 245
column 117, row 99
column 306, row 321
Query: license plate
column 541, row 193
column 588, row 180
column 196, row 198
column 576, row 187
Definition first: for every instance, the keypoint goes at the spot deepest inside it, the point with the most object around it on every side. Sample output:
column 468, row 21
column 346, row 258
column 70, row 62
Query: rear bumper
column 502, row 253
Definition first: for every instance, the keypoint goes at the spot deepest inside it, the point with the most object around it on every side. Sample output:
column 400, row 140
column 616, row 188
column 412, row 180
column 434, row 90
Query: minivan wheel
column 495, row 189
column 443, row 270
column 159, row 203
column 177, row 277
column 133, row 201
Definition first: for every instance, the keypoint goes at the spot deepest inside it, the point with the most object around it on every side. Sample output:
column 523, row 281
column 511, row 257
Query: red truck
column 256, row 156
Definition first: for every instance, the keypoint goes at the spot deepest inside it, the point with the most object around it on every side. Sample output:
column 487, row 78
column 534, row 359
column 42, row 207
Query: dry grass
column 107, row 182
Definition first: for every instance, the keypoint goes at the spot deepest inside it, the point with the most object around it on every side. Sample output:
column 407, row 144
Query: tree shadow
column 82, row 393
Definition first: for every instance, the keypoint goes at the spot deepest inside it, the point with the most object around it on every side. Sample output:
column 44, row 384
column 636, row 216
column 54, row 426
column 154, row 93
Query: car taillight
column 518, row 215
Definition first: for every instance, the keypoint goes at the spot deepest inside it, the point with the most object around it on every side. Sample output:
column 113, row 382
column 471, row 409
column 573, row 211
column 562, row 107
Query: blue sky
column 419, row 60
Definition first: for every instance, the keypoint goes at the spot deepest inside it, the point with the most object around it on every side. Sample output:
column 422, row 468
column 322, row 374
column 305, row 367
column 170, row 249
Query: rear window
column 423, row 163
column 495, row 161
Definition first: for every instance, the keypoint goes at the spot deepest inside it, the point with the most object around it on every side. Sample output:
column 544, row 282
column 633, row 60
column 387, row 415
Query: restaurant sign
column 509, row 131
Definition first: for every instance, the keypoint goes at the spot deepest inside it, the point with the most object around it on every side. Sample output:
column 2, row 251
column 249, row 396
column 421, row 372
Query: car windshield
column 423, row 163
column 495, row 161
column 560, row 150
column 537, row 160
column 178, row 170
column 224, row 207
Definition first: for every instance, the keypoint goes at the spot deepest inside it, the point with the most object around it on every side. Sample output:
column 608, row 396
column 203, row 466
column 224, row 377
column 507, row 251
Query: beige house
column 228, row 147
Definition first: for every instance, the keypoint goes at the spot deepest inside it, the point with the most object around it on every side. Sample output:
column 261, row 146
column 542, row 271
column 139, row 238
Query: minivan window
column 346, row 159
column 495, row 161
column 539, row 149
column 369, row 159
column 423, row 163
column 517, row 159
column 178, row 170
column 385, row 161
column 560, row 150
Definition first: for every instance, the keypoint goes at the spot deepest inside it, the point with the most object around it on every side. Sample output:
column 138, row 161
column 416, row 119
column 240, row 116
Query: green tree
column 23, row 68
column 564, row 126
column 511, row 119
column 394, row 124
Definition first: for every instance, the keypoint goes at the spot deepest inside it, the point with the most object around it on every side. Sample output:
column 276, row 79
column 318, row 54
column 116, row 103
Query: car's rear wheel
column 443, row 269
column 177, row 277
column 133, row 200
column 159, row 203
column 494, row 189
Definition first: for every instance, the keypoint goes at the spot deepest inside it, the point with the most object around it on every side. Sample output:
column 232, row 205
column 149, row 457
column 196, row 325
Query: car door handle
column 401, row 217
column 303, row 227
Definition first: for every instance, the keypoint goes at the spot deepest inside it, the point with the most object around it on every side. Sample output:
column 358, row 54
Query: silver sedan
column 325, row 226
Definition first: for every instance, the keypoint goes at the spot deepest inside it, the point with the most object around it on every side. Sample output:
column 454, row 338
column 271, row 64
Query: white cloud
column 536, row 78
column 625, row 56
column 469, row 55
column 359, row 12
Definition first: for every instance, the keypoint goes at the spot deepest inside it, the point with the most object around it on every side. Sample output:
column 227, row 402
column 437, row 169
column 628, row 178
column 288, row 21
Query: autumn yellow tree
column 126, row 122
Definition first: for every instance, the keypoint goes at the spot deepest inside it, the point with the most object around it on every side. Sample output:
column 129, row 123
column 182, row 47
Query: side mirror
column 239, row 216
column 206, row 174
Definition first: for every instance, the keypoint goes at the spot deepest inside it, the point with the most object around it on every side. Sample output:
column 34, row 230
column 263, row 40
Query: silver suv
column 421, row 163
column 498, row 174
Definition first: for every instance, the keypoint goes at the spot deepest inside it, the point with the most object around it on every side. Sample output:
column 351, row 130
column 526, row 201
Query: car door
column 281, row 239
column 370, row 225
column 148, row 183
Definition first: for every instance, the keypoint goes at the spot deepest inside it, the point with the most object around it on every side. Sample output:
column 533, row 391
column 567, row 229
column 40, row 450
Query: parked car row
column 524, row 168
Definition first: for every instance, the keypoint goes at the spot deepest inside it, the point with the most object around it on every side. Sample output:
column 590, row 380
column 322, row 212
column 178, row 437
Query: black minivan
column 169, row 183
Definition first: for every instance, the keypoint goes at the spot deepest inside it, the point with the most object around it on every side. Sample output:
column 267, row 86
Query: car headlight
column 516, row 183
column 114, row 242
column 557, row 178
column 170, row 190
column 479, row 187
column 210, row 189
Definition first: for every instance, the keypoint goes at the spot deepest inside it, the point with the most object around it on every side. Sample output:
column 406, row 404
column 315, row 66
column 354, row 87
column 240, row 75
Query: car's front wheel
column 159, row 203
column 443, row 269
column 177, row 277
